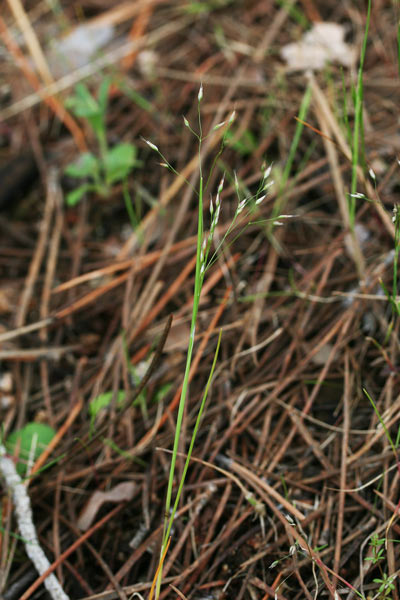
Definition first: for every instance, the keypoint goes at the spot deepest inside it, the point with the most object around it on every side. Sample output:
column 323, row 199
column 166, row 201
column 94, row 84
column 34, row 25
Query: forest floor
column 292, row 491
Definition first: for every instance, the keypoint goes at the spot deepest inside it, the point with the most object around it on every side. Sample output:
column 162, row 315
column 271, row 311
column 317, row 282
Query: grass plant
column 204, row 260
column 202, row 253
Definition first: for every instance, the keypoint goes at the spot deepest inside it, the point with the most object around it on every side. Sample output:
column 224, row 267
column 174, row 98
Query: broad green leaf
column 76, row 195
column 118, row 162
column 86, row 166
column 83, row 104
column 32, row 440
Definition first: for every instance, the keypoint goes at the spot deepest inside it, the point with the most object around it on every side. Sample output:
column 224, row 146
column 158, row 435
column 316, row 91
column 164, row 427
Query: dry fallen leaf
column 321, row 44
column 178, row 337
column 122, row 492
column 323, row 355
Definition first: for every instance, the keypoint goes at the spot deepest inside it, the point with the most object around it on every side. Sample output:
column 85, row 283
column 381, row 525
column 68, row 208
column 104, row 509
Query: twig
column 26, row 527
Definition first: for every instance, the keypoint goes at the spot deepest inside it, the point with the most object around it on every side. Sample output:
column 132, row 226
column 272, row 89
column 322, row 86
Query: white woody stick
column 23, row 511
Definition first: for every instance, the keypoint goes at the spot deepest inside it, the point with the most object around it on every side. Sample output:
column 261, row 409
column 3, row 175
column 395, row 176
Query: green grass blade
column 305, row 103
column 385, row 429
column 192, row 441
column 358, row 121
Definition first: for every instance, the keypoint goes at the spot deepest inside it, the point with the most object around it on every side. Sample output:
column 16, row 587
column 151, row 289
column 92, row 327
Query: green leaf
column 119, row 161
column 103, row 401
column 76, row 195
column 162, row 392
column 83, row 104
column 246, row 144
column 32, row 440
column 86, row 166
column 196, row 8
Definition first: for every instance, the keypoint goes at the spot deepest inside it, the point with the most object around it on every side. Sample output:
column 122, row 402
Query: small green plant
column 111, row 165
column 386, row 585
column 377, row 545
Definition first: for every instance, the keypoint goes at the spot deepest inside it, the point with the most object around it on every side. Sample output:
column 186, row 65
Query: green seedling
column 385, row 582
column 386, row 585
column 30, row 442
column 98, row 172
column 378, row 545
column 378, row 549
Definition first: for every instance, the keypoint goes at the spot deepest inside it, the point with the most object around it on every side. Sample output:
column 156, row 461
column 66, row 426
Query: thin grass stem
column 358, row 123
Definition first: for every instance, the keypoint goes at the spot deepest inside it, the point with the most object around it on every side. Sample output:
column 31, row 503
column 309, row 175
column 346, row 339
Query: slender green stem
column 102, row 139
column 396, row 221
column 199, row 277
column 358, row 122
column 395, row 265
column 382, row 422
column 280, row 201
column 398, row 47
column 305, row 103
column 128, row 204
column 202, row 262
column 192, row 441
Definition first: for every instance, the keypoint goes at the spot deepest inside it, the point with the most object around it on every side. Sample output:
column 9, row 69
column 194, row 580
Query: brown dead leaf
column 123, row 492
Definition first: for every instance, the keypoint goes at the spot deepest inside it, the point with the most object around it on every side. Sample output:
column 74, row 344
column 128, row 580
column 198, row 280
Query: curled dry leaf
column 123, row 492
